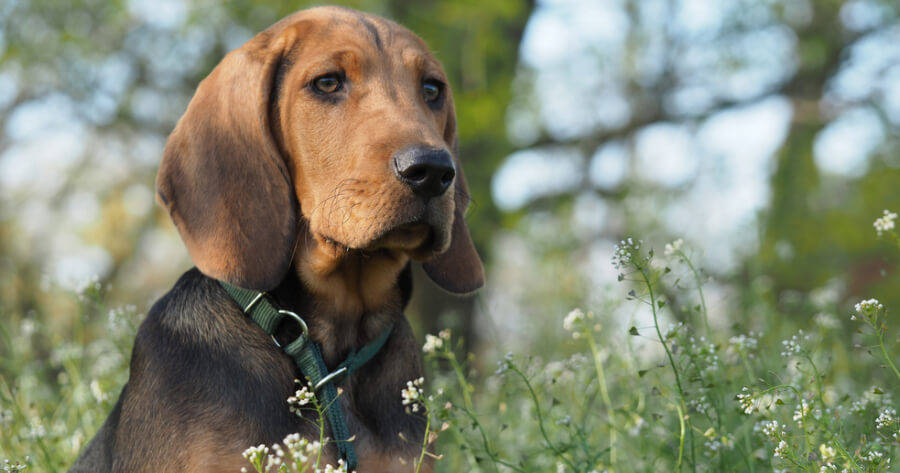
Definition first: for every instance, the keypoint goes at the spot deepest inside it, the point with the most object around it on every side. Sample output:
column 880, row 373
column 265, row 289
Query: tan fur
column 254, row 145
column 262, row 177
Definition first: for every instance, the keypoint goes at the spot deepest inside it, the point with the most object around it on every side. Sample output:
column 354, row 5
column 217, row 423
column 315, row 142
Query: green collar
column 307, row 355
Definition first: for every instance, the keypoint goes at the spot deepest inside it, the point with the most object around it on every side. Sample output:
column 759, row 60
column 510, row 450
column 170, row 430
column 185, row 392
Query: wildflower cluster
column 294, row 454
column 412, row 395
column 304, row 397
column 674, row 247
column 744, row 346
column 580, row 323
column 10, row 466
column 627, row 254
column 601, row 406
column 868, row 309
column 746, row 400
column 795, row 344
column 885, row 223
column 703, row 355
column 435, row 343
column 886, row 418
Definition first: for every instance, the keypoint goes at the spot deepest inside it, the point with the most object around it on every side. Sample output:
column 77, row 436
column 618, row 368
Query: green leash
column 308, row 357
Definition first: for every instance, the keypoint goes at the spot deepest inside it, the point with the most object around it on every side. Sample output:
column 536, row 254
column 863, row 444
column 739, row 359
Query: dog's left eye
column 431, row 90
column 327, row 84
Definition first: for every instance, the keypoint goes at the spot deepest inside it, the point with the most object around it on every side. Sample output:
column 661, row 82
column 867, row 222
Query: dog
column 314, row 164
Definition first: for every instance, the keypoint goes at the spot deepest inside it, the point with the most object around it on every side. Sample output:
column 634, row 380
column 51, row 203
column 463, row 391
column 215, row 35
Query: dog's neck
column 352, row 282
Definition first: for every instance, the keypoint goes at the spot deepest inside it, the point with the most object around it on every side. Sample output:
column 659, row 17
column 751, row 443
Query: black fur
column 202, row 373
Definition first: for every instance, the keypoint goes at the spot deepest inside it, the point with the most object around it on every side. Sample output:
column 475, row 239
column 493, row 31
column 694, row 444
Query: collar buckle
column 304, row 330
column 330, row 377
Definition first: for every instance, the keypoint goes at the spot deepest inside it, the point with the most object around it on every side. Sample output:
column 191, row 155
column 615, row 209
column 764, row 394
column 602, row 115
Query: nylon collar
column 307, row 356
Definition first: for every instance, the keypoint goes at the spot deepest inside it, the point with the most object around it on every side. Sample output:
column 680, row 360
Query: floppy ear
column 459, row 269
column 222, row 178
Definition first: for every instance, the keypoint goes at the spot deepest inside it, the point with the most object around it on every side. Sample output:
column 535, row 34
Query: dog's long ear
column 459, row 269
column 223, row 179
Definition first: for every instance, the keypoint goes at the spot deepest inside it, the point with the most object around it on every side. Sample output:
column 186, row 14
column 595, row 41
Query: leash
column 307, row 355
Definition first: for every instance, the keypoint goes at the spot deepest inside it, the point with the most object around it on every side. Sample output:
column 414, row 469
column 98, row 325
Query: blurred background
column 765, row 133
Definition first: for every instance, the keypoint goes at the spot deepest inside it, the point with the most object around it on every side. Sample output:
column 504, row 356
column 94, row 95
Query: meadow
column 740, row 152
column 771, row 393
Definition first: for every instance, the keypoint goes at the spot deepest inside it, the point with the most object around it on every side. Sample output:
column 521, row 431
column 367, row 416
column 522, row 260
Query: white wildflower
column 9, row 466
column 745, row 398
column 674, row 247
column 801, row 412
column 412, row 395
column 793, row 345
column 869, row 307
column 770, row 428
column 885, row 223
column 573, row 322
column 873, row 456
column 781, row 449
column 625, row 253
column 886, row 418
column 302, row 397
column 341, row 468
column 432, row 344
column 256, row 454
column 827, row 320
column 700, row 404
column 744, row 343
column 97, row 391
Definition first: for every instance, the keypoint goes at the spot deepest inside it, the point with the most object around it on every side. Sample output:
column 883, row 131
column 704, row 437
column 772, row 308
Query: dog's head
column 332, row 127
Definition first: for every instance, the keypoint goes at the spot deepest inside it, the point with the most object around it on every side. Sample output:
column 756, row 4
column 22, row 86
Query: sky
column 577, row 53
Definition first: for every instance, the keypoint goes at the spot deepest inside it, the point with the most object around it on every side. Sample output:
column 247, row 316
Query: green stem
column 604, row 393
column 469, row 406
column 699, row 290
column 681, row 436
column 887, row 358
column 662, row 340
column 424, row 443
column 540, row 417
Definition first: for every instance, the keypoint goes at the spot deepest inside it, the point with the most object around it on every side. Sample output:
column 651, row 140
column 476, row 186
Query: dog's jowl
column 312, row 166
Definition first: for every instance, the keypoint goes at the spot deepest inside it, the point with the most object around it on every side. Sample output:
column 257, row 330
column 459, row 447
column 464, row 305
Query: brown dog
column 313, row 163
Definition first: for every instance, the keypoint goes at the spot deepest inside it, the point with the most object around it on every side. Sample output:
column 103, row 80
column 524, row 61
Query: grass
column 765, row 391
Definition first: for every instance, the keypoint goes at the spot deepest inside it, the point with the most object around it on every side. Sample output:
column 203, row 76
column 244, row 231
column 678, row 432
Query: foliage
column 684, row 398
column 657, row 374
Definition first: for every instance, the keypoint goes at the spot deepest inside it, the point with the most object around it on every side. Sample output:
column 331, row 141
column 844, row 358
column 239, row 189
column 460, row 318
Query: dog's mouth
column 419, row 231
column 406, row 237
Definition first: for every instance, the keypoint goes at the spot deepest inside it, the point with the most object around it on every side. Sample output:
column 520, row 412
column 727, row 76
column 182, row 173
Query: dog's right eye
column 328, row 83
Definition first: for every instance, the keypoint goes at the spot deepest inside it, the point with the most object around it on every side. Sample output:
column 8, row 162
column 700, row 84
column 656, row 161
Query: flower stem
column 662, row 340
column 887, row 358
column 697, row 280
column 424, row 442
column 540, row 417
column 604, row 393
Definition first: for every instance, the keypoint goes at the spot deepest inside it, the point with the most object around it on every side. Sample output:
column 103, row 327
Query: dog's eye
column 327, row 84
column 431, row 90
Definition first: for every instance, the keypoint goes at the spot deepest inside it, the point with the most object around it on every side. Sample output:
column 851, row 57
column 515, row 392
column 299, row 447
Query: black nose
column 429, row 172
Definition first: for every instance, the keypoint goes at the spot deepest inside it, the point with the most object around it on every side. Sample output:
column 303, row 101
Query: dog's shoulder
column 198, row 321
column 203, row 375
column 192, row 296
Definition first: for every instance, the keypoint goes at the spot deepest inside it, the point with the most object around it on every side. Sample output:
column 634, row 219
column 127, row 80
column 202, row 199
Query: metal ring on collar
column 331, row 376
column 303, row 328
